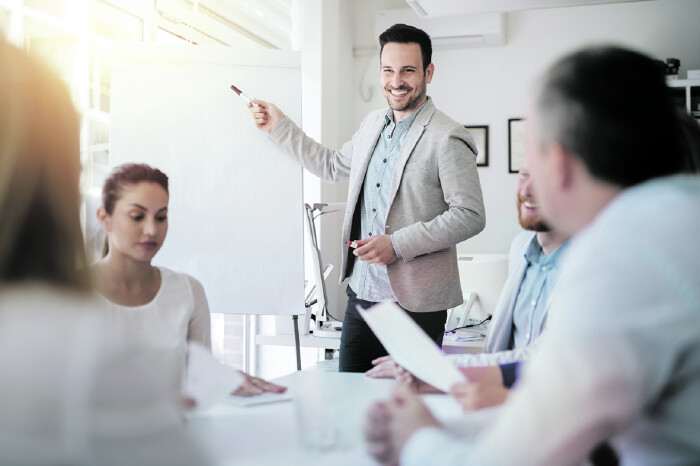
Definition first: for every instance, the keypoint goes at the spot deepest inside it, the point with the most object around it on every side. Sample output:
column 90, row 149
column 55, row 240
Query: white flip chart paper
column 236, row 211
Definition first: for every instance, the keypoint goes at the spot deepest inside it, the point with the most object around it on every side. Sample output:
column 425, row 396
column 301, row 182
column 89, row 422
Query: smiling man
column 534, row 267
column 414, row 193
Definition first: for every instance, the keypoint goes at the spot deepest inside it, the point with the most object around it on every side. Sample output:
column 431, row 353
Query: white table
column 267, row 434
column 306, row 341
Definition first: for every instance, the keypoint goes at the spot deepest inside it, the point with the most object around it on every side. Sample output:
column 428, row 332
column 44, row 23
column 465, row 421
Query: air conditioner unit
column 448, row 8
column 451, row 32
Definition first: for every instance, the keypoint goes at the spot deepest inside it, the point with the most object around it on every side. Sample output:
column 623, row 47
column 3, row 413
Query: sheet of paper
column 208, row 381
column 410, row 346
column 263, row 398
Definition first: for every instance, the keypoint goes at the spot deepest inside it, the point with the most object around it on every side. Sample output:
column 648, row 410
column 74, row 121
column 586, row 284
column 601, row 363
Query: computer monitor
column 482, row 277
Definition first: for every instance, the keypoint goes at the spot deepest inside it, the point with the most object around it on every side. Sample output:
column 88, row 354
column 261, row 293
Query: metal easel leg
column 296, row 340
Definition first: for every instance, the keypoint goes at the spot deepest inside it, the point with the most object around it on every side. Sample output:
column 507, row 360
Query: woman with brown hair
column 167, row 308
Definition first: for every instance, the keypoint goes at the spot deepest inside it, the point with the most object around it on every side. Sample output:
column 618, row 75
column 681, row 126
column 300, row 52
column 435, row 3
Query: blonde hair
column 40, row 235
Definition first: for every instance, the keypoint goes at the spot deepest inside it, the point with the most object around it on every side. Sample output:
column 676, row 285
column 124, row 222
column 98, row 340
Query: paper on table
column 208, row 381
column 263, row 398
column 410, row 346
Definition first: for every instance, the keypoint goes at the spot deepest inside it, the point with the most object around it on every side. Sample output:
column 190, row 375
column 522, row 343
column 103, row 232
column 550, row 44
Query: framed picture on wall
column 516, row 144
column 481, row 138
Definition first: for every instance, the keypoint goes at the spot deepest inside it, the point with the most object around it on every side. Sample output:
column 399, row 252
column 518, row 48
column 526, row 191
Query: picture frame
column 480, row 133
column 516, row 144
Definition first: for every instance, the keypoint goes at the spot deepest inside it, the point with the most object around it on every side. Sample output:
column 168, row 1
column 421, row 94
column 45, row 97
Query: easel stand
column 297, row 344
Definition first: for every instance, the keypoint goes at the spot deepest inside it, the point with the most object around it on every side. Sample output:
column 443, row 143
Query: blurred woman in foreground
column 69, row 394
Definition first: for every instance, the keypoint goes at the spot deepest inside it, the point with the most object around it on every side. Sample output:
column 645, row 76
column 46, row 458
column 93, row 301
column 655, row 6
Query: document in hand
column 410, row 346
column 206, row 380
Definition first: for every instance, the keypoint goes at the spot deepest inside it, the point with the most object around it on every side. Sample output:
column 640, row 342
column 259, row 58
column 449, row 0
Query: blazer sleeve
column 328, row 164
column 493, row 359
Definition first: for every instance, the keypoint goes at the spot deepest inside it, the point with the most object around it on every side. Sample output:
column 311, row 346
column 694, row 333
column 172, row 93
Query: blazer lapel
column 359, row 170
column 500, row 329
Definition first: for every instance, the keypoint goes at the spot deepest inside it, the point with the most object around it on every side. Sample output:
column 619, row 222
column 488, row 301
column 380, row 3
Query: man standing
column 414, row 193
column 620, row 360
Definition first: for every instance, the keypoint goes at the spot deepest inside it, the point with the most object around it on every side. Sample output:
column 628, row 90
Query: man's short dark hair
column 611, row 108
column 405, row 34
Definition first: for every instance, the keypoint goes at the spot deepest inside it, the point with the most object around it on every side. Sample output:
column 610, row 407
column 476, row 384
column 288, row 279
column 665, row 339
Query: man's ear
column 103, row 219
column 563, row 166
column 429, row 71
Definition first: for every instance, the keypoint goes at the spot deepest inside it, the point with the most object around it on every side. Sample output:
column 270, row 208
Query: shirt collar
column 406, row 122
column 535, row 255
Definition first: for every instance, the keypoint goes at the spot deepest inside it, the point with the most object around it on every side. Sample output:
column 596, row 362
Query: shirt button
column 384, row 160
column 378, row 185
column 374, row 210
column 533, row 303
column 370, row 234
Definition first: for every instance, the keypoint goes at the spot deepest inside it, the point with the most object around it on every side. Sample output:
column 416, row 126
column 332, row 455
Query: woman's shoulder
column 183, row 282
column 169, row 275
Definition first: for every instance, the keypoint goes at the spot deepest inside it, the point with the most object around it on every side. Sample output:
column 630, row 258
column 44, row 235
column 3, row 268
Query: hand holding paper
column 410, row 347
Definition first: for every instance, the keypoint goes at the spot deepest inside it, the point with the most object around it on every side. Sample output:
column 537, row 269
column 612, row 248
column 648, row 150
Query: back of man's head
column 405, row 34
column 611, row 108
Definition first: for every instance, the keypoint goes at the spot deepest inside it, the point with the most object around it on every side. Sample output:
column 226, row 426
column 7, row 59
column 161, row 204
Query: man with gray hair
column 620, row 362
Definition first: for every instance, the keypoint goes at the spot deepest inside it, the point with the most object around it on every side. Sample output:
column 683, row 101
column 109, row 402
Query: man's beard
column 533, row 224
column 411, row 103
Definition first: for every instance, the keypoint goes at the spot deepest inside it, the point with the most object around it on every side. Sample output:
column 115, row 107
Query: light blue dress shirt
column 538, row 283
column 370, row 281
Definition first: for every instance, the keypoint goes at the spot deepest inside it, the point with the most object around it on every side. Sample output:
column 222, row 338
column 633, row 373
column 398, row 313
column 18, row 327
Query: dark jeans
column 359, row 346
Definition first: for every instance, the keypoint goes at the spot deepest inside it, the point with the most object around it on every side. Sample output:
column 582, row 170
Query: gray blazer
column 435, row 199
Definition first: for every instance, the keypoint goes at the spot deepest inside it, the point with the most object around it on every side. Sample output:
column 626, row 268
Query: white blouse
column 178, row 314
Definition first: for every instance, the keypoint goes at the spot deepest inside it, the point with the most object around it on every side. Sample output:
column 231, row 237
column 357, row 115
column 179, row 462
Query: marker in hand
column 243, row 96
column 354, row 244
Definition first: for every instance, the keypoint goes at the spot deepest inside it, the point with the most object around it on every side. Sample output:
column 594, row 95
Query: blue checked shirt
column 370, row 281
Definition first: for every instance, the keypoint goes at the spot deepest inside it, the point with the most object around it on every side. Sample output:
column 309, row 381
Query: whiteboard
column 236, row 210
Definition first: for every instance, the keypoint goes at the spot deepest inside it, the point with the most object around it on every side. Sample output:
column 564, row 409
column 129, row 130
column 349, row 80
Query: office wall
column 488, row 85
